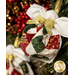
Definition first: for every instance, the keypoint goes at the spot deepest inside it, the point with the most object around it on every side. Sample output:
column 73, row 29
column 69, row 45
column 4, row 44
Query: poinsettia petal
column 51, row 14
column 35, row 10
column 61, row 25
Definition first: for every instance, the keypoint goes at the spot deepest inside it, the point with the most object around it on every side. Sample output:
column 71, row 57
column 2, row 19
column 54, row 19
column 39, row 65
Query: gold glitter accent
column 9, row 24
column 15, row 73
column 49, row 23
column 9, row 18
column 23, row 66
column 57, row 46
column 7, row 15
column 53, row 46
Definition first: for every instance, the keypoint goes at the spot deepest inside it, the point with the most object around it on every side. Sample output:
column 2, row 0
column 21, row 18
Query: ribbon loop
column 49, row 23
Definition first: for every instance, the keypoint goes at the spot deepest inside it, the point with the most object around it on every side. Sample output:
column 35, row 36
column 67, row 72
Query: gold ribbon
column 17, row 42
column 58, row 5
column 10, row 57
column 49, row 23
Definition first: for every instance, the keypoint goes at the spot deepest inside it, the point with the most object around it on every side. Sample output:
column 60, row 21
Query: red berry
column 21, row 14
column 19, row 18
column 47, row 8
column 10, row 1
column 24, row 6
column 23, row 21
column 26, row 17
column 23, row 26
column 15, row 32
column 13, row 18
column 26, row 10
column 19, row 30
column 23, row 17
column 18, row 25
column 27, row 6
column 16, row 20
column 25, row 14
column 26, row 21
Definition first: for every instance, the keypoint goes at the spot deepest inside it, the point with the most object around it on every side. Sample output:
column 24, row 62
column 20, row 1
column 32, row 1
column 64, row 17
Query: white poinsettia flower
column 20, row 57
column 47, row 53
column 60, row 25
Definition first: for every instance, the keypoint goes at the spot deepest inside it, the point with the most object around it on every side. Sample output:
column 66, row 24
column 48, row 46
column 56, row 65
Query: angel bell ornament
column 41, row 38
column 16, row 62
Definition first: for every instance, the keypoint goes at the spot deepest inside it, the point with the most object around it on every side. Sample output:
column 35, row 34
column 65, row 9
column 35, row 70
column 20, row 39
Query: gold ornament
column 59, row 66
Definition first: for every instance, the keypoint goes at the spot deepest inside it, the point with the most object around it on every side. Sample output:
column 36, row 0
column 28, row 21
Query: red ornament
column 19, row 30
column 25, row 21
column 15, row 32
column 18, row 25
column 48, row 5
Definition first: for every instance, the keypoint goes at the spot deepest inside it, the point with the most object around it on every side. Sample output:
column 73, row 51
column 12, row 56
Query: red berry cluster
column 47, row 6
column 21, row 22
column 26, row 6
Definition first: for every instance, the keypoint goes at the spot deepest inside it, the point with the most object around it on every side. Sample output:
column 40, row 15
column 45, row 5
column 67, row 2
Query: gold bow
column 49, row 23
column 10, row 57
